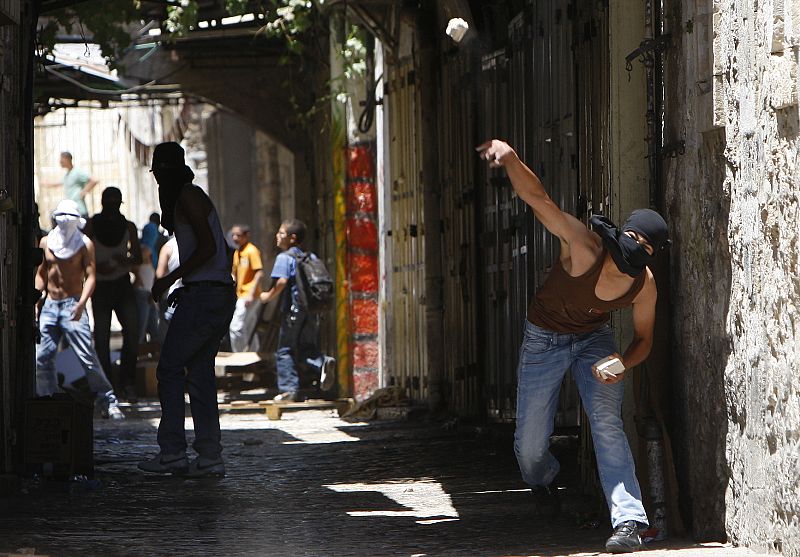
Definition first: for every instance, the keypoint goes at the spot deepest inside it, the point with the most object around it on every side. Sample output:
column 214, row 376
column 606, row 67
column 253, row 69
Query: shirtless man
column 568, row 327
column 67, row 279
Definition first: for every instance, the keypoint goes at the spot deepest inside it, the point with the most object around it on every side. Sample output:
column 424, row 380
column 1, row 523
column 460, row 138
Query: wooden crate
column 59, row 437
column 275, row 410
column 146, row 382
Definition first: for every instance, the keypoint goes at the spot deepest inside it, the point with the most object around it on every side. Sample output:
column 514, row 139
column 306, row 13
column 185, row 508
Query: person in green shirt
column 77, row 183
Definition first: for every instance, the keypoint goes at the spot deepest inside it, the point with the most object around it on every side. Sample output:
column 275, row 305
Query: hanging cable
column 368, row 114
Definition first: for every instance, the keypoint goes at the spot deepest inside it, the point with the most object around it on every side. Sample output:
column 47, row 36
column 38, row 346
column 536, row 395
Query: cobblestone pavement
column 309, row 484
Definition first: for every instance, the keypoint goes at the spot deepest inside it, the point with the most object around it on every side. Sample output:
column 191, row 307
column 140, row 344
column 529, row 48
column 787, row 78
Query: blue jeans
column 187, row 357
column 543, row 361
column 298, row 343
column 55, row 322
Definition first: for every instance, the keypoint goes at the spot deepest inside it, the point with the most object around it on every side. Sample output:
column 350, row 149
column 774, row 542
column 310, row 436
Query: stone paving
column 310, row 484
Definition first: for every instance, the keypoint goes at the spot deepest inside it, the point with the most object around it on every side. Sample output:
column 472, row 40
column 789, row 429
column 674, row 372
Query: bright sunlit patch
column 313, row 430
column 425, row 500
column 500, row 491
column 310, row 427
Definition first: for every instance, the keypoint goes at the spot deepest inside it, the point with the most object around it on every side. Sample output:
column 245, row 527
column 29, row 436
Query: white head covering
column 66, row 239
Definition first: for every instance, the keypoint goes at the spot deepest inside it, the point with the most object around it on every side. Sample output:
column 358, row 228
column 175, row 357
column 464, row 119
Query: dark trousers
column 187, row 358
column 117, row 296
column 298, row 346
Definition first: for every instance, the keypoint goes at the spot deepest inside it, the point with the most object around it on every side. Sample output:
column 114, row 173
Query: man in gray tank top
column 597, row 272
column 205, row 306
column 116, row 253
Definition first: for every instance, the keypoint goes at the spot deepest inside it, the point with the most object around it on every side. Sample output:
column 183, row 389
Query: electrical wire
column 150, row 85
column 368, row 114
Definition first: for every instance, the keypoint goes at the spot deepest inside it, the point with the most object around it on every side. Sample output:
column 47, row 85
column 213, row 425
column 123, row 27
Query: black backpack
column 314, row 284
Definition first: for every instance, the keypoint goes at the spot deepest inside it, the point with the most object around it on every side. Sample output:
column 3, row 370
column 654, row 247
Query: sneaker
column 202, row 467
column 327, row 376
column 109, row 408
column 546, row 501
column 165, row 464
column 288, row 396
column 625, row 538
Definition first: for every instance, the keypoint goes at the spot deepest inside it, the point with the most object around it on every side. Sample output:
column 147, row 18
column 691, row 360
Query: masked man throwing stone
column 568, row 327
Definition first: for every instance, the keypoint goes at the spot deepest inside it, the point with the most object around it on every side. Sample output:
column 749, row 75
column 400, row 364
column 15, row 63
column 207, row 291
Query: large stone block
column 782, row 81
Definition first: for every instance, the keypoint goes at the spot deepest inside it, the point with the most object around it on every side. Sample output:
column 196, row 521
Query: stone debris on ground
column 310, row 484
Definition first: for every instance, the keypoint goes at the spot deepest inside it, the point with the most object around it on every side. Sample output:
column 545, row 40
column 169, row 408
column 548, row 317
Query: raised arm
column 530, row 189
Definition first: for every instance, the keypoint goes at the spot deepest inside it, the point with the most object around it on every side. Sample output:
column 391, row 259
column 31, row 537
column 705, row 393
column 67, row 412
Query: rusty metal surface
column 405, row 315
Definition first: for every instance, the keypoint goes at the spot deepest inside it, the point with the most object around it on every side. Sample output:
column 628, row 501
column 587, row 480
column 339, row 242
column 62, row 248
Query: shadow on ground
column 309, row 484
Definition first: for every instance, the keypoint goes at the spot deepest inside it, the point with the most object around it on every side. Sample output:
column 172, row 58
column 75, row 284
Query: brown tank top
column 567, row 304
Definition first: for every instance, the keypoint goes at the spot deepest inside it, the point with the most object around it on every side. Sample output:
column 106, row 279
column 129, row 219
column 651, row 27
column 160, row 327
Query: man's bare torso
column 64, row 276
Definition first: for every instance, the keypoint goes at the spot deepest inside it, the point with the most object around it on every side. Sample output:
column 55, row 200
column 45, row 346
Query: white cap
column 67, row 207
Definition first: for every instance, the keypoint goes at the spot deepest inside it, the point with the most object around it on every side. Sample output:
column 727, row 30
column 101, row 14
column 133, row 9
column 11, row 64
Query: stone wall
column 733, row 205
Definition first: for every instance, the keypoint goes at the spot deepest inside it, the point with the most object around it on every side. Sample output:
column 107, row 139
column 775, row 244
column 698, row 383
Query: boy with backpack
column 305, row 290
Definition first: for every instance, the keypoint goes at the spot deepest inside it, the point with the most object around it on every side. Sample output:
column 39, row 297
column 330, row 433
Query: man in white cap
column 66, row 279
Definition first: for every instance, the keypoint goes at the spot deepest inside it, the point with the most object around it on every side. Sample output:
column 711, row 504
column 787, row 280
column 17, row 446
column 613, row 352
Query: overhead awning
column 71, row 78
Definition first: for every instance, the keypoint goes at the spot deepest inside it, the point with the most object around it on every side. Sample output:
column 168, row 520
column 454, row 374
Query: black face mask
column 169, row 188
column 631, row 257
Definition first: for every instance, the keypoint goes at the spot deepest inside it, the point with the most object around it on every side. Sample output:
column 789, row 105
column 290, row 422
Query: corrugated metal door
column 495, row 263
column 527, row 96
column 459, row 232
column 592, row 73
column 592, row 64
column 406, row 328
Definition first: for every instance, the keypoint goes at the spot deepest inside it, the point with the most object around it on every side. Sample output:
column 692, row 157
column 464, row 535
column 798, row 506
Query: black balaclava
column 171, row 174
column 630, row 257
column 109, row 225
column 169, row 188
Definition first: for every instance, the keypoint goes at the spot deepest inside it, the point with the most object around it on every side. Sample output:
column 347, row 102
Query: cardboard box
column 59, row 437
column 146, row 382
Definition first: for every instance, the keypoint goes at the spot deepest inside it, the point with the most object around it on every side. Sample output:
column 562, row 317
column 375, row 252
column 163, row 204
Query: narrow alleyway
column 310, row 484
